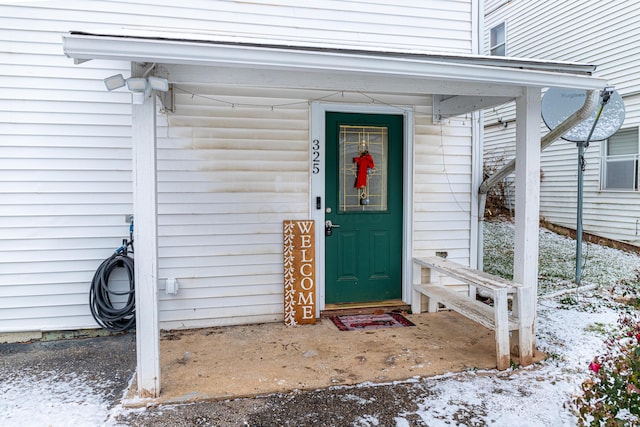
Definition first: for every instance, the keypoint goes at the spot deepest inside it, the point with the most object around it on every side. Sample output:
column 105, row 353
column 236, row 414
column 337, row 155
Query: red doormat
column 363, row 322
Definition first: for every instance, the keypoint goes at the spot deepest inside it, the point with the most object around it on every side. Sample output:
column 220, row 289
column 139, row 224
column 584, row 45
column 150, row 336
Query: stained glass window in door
column 363, row 168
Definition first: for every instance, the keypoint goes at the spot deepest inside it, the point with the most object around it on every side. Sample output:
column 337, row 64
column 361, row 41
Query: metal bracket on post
column 167, row 99
column 437, row 117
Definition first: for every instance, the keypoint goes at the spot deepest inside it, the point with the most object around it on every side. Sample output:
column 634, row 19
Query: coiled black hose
column 100, row 296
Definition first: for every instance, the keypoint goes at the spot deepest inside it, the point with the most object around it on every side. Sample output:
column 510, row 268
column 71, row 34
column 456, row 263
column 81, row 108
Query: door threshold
column 375, row 307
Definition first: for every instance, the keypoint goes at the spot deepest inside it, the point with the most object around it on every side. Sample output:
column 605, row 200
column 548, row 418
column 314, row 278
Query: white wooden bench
column 496, row 317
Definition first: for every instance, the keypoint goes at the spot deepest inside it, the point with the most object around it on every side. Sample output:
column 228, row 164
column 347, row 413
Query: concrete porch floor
column 242, row 361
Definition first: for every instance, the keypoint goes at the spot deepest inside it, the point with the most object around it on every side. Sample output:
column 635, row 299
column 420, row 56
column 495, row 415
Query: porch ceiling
column 464, row 82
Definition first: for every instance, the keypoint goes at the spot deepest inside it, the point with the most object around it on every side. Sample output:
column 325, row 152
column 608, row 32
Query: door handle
column 329, row 226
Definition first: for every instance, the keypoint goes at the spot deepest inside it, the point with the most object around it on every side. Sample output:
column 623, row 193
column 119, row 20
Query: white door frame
column 317, row 171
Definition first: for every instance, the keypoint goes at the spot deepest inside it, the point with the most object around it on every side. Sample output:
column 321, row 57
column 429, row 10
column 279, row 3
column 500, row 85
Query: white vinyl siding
column 431, row 24
column 588, row 31
column 227, row 176
column 65, row 175
column 575, row 31
column 441, row 197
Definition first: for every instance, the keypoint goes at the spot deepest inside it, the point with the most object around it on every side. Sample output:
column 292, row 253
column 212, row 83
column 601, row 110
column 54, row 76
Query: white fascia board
column 86, row 47
column 213, row 37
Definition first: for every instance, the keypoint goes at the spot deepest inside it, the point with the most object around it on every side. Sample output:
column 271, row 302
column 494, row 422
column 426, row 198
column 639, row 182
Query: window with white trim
column 620, row 161
column 498, row 41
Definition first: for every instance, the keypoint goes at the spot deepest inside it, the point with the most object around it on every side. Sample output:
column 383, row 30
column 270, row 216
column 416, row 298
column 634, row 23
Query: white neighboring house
column 249, row 141
column 589, row 31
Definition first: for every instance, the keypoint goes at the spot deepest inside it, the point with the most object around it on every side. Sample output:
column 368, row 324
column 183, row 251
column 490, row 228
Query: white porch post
column 146, row 245
column 527, row 216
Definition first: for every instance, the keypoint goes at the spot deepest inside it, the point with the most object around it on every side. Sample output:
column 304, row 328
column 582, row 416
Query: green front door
column 364, row 204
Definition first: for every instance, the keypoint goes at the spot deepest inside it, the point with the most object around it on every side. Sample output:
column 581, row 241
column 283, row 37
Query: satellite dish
column 559, row 103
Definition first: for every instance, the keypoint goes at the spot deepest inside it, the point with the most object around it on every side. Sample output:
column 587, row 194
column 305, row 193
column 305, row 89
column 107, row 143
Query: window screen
column 620, row 166
column 498, row 40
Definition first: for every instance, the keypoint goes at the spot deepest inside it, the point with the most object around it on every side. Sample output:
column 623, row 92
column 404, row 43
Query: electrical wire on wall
column 446, row 173
column 327, row 98
column 108, row 312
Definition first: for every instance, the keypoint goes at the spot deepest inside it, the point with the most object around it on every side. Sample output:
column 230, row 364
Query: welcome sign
column 299, row 272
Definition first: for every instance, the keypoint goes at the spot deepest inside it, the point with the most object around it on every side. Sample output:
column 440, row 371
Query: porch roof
column 320, row 58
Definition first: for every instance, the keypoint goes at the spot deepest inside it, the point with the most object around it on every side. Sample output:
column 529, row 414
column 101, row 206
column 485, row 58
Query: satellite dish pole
column 605, row 95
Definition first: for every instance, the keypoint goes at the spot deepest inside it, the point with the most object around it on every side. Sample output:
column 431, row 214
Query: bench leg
column 434, row 277
column 473, row 292
column 416, row 297
column 502, row 328
column 432, row 305
column 416, row 302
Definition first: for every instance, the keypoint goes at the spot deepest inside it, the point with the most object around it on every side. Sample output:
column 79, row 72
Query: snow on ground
column 51, row 400
column 571, row 330
column 533, row 396
column 64, row 382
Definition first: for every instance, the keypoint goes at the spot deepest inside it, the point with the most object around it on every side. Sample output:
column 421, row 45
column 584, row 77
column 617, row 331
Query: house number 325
column 315, row 157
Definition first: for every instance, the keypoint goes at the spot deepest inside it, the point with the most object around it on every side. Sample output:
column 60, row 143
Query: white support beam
column 336, row 81
column 527, row 216
column 145, row 209
column 457, row 105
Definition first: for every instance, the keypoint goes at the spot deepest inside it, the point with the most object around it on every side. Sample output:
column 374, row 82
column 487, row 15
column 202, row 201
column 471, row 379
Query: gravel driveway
column 343, row 406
